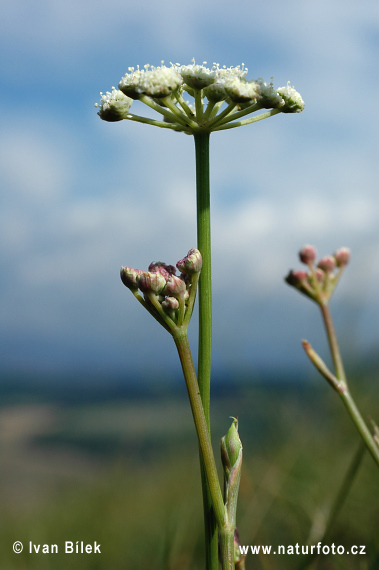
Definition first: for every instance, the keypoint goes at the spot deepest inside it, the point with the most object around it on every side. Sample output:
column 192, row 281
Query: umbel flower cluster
column 168, row 297
column 320, row 280
column 221, row 97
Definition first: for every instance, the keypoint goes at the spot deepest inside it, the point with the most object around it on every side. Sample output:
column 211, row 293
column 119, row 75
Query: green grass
column 125, row 474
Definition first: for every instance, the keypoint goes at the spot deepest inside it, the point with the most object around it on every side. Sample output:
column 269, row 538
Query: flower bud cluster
column 163, row 290
column 320, row 280
column 162, row 88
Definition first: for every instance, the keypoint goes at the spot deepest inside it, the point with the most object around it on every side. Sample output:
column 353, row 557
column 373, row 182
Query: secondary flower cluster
column 320, row 281
column 162, row 88
column 167, row 296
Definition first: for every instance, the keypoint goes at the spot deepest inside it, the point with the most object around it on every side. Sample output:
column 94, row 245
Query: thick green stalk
column 205, row 283
column 205, row 325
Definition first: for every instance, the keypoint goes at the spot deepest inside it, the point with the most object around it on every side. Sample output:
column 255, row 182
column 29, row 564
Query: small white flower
column 159, row 81
column 293, row 103
column 269, row 98
column 130, row 82
column 229, row 73
column 197, row 76
column 242, row 91
column 114, row 106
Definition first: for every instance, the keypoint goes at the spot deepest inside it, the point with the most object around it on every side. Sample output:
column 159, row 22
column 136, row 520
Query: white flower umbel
column 222, row 97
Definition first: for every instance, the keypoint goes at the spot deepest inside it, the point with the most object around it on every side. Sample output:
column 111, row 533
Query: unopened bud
column 307, row 254
column 170, row 304
column 190, row 264
column 230, row 448
column 129, row 277
column 296, row 278
column 150, row 282
column 175, row 287
column 342, row 256
column 327, row 264
column 162, row 268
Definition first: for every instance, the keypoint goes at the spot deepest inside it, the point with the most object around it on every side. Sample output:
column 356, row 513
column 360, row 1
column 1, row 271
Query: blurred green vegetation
column 121, row 469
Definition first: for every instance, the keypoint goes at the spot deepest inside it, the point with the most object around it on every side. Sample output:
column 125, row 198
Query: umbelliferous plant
column 221, row 98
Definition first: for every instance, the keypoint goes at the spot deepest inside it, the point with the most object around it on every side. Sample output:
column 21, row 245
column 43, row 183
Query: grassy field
column 123, row 471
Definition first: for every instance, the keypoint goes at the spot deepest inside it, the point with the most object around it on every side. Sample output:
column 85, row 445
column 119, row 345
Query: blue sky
column 81, row 197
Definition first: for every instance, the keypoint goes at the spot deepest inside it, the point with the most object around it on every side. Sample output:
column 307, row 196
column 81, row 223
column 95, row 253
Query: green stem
column 198, row 104
column 230, row 107
column 360, row 424
column 343, row 389
column 227, row 547
column 333, row 343
column 177, row 117
column 205, row 283
column 184, row 351
column 205, row 323
column 248, row 121
column 238, row 114
column 155, row 123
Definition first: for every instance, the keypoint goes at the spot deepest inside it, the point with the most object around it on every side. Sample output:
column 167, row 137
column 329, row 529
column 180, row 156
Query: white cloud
column 31, row 167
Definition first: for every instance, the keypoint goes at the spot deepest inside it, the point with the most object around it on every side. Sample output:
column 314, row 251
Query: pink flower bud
column 175, row 287
column 296, row 278
column 327, row 264
column 150, row 282
column 342, row 256
column 191, row 263
column 129, row 277
column 170, row 304
column 162, row 268
column 307, row 254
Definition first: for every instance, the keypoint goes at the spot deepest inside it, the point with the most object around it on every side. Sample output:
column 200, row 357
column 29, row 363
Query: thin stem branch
column 360, row 424
column 155, row 123
column 229, row 109
column 333, row 343
column 184, row 351
column 248, row 121
column 238, row 114
column 175, row 117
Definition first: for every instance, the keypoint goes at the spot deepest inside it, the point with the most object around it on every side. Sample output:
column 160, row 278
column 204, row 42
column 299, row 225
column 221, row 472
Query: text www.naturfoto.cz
column 303, row 549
